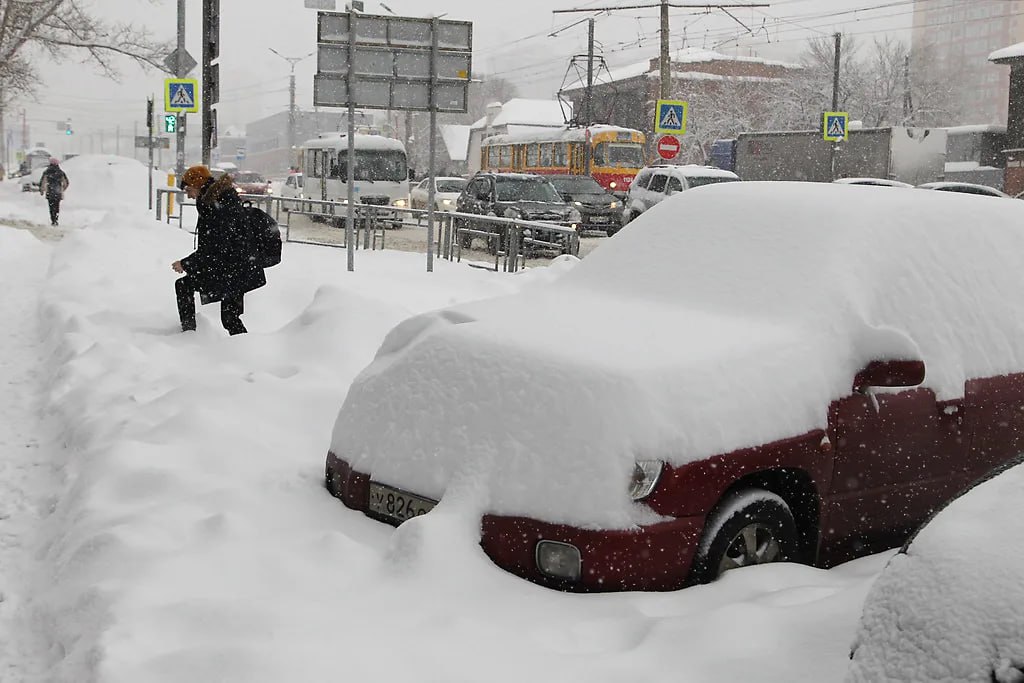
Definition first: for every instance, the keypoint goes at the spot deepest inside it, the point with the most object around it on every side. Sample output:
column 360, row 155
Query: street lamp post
column 291, row 96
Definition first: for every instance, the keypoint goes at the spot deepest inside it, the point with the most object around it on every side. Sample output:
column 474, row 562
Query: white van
column 381, row 169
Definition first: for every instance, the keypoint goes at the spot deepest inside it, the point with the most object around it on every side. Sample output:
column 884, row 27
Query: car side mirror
column 889, row 373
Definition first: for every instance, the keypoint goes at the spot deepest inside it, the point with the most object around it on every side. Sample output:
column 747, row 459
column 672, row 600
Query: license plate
column 396, row 505
column 599, row 219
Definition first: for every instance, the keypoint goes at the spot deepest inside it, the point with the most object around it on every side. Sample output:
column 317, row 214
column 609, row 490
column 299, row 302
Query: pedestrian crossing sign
column 180, row 95
column 670, row 117
column 835, row 127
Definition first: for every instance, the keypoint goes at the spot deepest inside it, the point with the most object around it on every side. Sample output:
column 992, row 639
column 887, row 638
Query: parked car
column 682, row 402
column 881, row 182
column 964, row 188
column 599, row 209
column 446, row 193
column 947, row 607
column 653, row 183
column 248, row 182
column 525, row 196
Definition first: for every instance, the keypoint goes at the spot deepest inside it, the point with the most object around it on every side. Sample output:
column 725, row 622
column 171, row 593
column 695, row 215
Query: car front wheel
column 749, row 527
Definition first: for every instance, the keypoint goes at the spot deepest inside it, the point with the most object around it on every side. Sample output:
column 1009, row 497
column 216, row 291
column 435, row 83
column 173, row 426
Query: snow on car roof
column 695, row 170
column 724, row 317
column 948, row 607
column 951, row 185
column 887, row 182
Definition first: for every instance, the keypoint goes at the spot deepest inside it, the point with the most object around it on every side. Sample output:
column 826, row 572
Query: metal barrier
column 509, row 240
column 514, row 238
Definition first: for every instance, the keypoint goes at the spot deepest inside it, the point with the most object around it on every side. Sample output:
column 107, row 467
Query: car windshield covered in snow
column 530, row 189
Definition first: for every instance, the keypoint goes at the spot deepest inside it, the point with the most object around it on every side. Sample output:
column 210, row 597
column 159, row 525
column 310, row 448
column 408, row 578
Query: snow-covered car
column 881, row 182
column 805, row 372
column 446, row 192
column 654, row 183
column 947, row 607
column 964, row 188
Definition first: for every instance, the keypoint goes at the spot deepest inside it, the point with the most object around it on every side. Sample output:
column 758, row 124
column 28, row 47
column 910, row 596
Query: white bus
column 381, row 170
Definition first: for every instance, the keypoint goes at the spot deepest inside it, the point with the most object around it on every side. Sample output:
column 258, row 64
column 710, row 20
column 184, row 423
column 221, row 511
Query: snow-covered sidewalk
column 172, row 524
column 29, row 452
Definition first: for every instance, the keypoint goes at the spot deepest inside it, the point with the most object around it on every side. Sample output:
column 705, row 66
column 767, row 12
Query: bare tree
column 60, row 28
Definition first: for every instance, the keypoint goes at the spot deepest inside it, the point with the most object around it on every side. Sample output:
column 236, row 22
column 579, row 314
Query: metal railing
column 510, row 241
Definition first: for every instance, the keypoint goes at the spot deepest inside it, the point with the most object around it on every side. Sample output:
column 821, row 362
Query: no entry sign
column 668, row 146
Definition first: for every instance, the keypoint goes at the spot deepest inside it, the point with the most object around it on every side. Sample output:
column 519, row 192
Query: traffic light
column 67, row 127
column 170, row 123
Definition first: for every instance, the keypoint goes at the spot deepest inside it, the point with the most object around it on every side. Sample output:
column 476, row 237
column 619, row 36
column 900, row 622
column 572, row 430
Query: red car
column 247, row 182
column 755, row 372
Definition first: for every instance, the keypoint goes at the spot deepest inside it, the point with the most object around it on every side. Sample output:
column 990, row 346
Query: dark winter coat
column 224, row 263
column 53, row 182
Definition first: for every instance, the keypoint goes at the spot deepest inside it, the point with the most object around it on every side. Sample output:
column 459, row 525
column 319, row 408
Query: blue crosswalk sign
column 670, row 117
column 180, row 95
column 836, row 126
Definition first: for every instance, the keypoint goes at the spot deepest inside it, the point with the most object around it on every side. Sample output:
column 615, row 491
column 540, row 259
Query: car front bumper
column 653, row 557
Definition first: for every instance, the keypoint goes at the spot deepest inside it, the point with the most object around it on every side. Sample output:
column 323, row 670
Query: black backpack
column 265, row 234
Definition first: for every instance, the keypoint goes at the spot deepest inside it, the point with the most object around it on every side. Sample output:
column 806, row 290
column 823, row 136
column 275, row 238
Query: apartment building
column 955, row 37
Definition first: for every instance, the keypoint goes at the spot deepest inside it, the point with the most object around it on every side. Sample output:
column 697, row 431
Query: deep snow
column 165, row 516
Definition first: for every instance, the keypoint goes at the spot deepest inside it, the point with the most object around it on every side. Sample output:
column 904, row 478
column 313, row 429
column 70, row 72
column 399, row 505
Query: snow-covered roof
column 964, row 166
column 975, row 128
column 690, row 56
column 676, row 339
column 456, row 141
column 372, row 142
column 1009, row 53
column 526, row 112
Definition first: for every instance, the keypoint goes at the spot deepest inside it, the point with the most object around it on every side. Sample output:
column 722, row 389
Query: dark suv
column 514, row 195
column 599, row 210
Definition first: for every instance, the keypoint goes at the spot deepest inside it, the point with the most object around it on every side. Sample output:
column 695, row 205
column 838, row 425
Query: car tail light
column 645, row 477
column 559, row 560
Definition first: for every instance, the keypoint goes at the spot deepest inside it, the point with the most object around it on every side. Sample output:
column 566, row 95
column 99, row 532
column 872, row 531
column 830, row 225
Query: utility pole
column 211, row 76
column 292, row 114
column 180, row 72
column 663, row 61
column 588, row 98
column 835, row 100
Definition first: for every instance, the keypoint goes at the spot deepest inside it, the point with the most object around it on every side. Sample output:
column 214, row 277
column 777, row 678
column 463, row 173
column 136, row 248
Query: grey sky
column 511, row 40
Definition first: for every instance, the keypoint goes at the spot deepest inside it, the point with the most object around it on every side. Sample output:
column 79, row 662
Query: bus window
column 492, row 157
column 545, row 154
column 533, row 154
column 313, row 169
column 560, row 158
column 506, row 156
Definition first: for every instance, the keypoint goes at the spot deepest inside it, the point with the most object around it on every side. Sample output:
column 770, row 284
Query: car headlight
column 645, row 477
column 612, row 185
column 400, row 203
column 577, row 203
column 270, row 190
column 447, row 202
column 559, row 560
column 575, row 216
column 613, row 205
